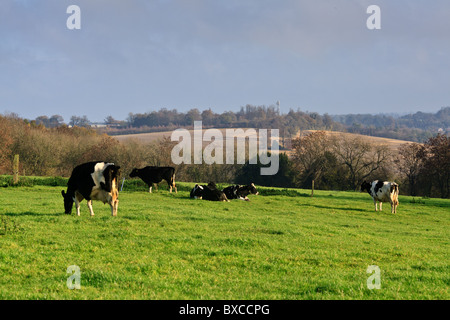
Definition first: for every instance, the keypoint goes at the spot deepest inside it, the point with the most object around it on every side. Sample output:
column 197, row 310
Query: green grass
column 282, row 244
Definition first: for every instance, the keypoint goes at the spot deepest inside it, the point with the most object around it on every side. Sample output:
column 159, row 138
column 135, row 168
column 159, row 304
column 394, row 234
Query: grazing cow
column 92, row 181
column 382, row 192
column 208, row 192
column 240, row 192
column 152, row 175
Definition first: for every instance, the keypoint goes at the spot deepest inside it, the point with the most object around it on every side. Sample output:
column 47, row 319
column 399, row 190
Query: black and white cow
column 382, row 191
column 240, row 192
column 151, row 175
column 95, row 180
column 208, row 192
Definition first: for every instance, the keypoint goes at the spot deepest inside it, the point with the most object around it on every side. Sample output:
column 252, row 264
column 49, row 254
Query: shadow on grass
column 334, row 208
column 30, row 213
column 283, row 192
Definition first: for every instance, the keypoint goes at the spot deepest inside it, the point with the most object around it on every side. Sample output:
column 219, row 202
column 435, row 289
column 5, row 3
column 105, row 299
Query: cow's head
column 365, row 186
column 134, row 173
column 253, row 189
column 197, row 192
column 68, row 202
column 212, row 185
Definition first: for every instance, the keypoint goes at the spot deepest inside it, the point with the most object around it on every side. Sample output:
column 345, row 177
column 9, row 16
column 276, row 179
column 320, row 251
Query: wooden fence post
column 312, row 189
column 16, row 169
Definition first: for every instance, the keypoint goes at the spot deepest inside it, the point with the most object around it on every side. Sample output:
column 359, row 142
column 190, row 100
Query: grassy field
column 282, row 244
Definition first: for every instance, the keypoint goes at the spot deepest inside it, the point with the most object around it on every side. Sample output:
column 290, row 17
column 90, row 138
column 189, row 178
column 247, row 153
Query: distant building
column 98, row 125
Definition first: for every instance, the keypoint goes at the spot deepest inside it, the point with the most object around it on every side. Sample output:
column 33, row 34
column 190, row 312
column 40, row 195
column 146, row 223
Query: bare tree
column 80, row 121
column 360, row 157
column 55, row 121
column 310, row 155
column 437, row 164
column 42, row 120
column 410, row 162
column 110, row 120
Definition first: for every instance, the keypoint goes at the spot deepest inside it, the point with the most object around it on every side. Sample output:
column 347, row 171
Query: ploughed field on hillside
column 393, row 144
column 282, row 244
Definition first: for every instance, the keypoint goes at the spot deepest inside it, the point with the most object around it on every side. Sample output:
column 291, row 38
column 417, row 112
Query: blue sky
column 142, row 55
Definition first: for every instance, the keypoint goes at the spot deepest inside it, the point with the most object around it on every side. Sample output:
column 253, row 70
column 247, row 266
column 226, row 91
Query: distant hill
column 418, row 120
column 393, row 144
column 417, row 127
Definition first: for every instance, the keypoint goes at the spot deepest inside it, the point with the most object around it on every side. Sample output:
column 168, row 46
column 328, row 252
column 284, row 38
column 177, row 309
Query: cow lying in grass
column 240, row 192
column 92, row 181
column 382, row 191
column 208, row 192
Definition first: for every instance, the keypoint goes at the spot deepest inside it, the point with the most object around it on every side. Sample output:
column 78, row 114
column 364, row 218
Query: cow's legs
column 393, row 207
column 77, row 206
column 113, row 200
column 150, row 190
column 91, row 210
column 381, row 209
column 376, row 204
column 394, row 204
column 114, row 206
column 78, row 198
column 171, row 184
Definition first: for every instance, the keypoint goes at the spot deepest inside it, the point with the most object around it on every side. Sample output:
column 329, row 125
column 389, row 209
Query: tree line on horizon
column 417, row 127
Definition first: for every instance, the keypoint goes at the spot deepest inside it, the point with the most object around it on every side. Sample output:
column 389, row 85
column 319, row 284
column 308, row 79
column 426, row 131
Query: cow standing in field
column 151, row 175
column 92, row 181
column 240, row 192
column 208, row 192
column 382, row 191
